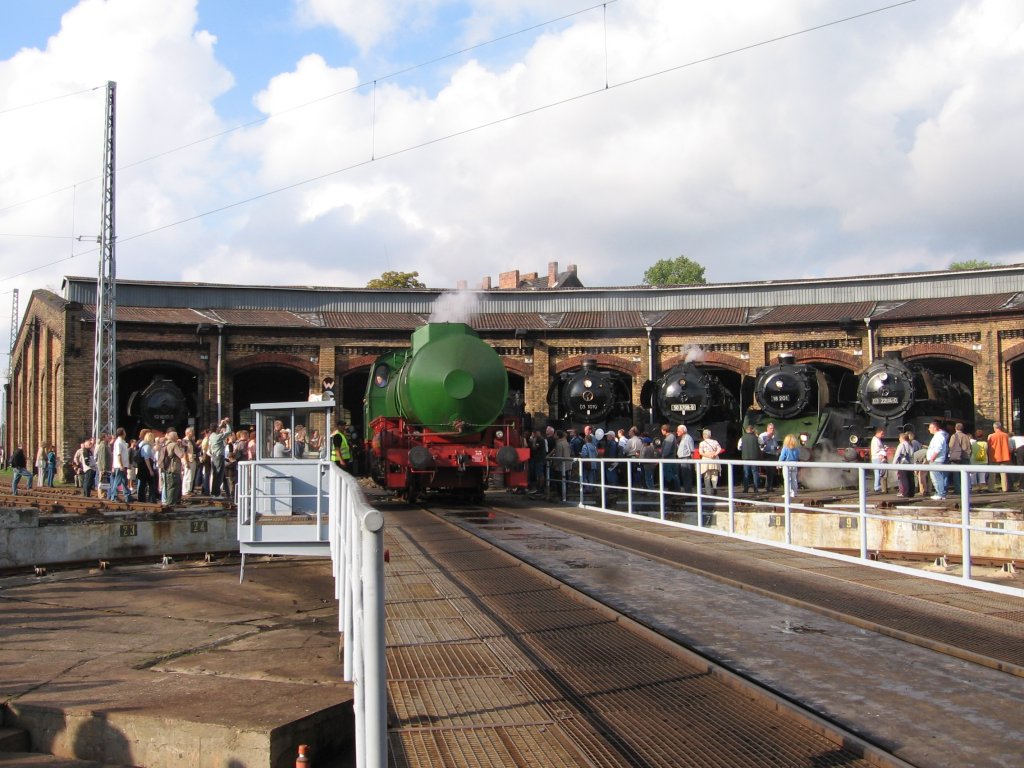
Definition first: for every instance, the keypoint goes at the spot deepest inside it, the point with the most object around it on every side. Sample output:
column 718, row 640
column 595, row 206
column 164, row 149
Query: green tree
column 396, row 280
column 956, row 266
column 679, row 271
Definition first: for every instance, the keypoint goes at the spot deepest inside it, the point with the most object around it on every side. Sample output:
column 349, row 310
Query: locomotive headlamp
column 588, row 383
column 499, row 434
column 854, row 439
column 803, row 438
column 779, row 384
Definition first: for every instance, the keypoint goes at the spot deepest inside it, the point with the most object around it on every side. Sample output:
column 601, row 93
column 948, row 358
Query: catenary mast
column 104, row 382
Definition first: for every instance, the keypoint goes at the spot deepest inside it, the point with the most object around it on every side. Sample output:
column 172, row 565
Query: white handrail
column 594, row 494
column 355, row 541
column 357, row 555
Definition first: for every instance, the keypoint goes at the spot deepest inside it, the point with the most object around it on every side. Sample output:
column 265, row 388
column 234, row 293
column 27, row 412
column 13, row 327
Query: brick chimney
column 572, row 268
column 508, row 279
column 552, row 273
column 485, row 284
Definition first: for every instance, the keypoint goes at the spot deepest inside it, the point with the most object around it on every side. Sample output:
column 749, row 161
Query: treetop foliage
column 957, row 266
column 678, row 271
column 394, row 279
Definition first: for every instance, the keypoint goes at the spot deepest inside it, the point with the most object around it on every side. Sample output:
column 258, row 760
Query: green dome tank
column 452, row 380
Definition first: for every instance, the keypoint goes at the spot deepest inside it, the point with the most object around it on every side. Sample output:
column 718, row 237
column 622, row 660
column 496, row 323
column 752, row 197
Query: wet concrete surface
column 175, row 665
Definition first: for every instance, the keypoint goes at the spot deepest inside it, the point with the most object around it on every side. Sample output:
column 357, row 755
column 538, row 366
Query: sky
column 323, row 142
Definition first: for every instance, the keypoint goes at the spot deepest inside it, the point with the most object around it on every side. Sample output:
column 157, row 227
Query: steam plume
column 455, row 307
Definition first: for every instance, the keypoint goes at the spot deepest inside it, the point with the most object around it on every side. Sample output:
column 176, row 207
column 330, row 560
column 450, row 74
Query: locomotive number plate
column 198, row 526
column 129, row 529
column 885, row 401
column 848, row 523
column 684, row 407
column 779, row 398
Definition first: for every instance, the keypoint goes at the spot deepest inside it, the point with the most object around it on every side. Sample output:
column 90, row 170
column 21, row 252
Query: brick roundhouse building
column 227, row 346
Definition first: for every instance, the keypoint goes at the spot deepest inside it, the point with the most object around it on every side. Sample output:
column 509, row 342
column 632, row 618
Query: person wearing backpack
column 172, row 461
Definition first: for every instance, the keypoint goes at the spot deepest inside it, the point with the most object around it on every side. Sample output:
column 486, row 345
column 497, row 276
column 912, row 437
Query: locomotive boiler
column 688, row 394
column 435, row 419
column 898, row 396
column 160, row 406
column 591, row 396
column 803, row 400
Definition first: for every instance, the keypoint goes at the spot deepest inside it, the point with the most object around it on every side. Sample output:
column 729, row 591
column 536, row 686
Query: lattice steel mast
column 14, row 333
column 104, row 380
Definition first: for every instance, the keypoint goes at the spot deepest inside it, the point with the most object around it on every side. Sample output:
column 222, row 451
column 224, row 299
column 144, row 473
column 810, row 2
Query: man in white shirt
column 684, row 452
column 119, row 471
column 938, row 452
column 879, row 455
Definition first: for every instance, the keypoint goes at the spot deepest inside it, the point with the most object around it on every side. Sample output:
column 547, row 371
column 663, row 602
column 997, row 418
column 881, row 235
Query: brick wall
column 51, row 388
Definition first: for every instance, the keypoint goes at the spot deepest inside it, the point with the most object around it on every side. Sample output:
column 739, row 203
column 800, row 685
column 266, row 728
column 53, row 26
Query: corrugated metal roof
column 264, row 318
column 816, row 313
column 270, row 318
column 844, row 290
column 952, row 305
column 397, row 321
column 508, row 321
column 167, row 315
column 702, row 318
column 601, row 320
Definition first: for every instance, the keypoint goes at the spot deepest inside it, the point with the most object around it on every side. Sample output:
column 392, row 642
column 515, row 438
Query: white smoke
column 694, row 355
column 455, row 307
column 822, row 479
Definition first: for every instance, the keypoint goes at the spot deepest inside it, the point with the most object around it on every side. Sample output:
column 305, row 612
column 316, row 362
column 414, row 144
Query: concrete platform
column 176, row 665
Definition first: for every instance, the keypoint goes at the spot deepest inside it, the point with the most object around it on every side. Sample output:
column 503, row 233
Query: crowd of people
column 166, row 468
column 694, row 458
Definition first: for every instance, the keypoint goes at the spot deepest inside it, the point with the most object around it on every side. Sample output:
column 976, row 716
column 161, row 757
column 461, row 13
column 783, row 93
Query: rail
column 796, row 524
column 311, row 507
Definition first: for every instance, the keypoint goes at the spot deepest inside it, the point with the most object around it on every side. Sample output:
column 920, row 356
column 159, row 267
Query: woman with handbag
column 709, row 448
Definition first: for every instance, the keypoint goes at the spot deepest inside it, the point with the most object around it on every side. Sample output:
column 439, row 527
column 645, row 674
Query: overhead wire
column 456, row 134
column 510, row 117
column 311, row 102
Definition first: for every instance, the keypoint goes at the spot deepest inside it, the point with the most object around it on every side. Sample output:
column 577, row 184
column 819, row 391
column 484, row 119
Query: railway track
column 713, row 595
column 69, row 500
column 491, row 662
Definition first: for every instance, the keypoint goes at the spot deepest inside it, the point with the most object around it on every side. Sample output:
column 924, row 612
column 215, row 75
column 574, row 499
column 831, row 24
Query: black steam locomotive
column 898, row 396
column 160, row 406
column 591, row 396
column 688, row 394
column 803, row 400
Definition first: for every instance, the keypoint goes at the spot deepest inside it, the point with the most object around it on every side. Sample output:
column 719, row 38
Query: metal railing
column 357, row 556
column 640, row 488
column 326, row 513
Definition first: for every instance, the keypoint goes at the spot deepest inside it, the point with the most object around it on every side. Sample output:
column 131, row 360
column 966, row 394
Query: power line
column 45, row 237
column 318, row 100
column 514, row 116
column 473, row 129
column 52, row 98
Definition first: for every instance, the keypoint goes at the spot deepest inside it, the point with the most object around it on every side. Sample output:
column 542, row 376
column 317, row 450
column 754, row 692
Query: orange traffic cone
column 302, row 761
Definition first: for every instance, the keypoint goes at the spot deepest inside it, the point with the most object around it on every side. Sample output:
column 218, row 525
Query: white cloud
column 889, row 140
